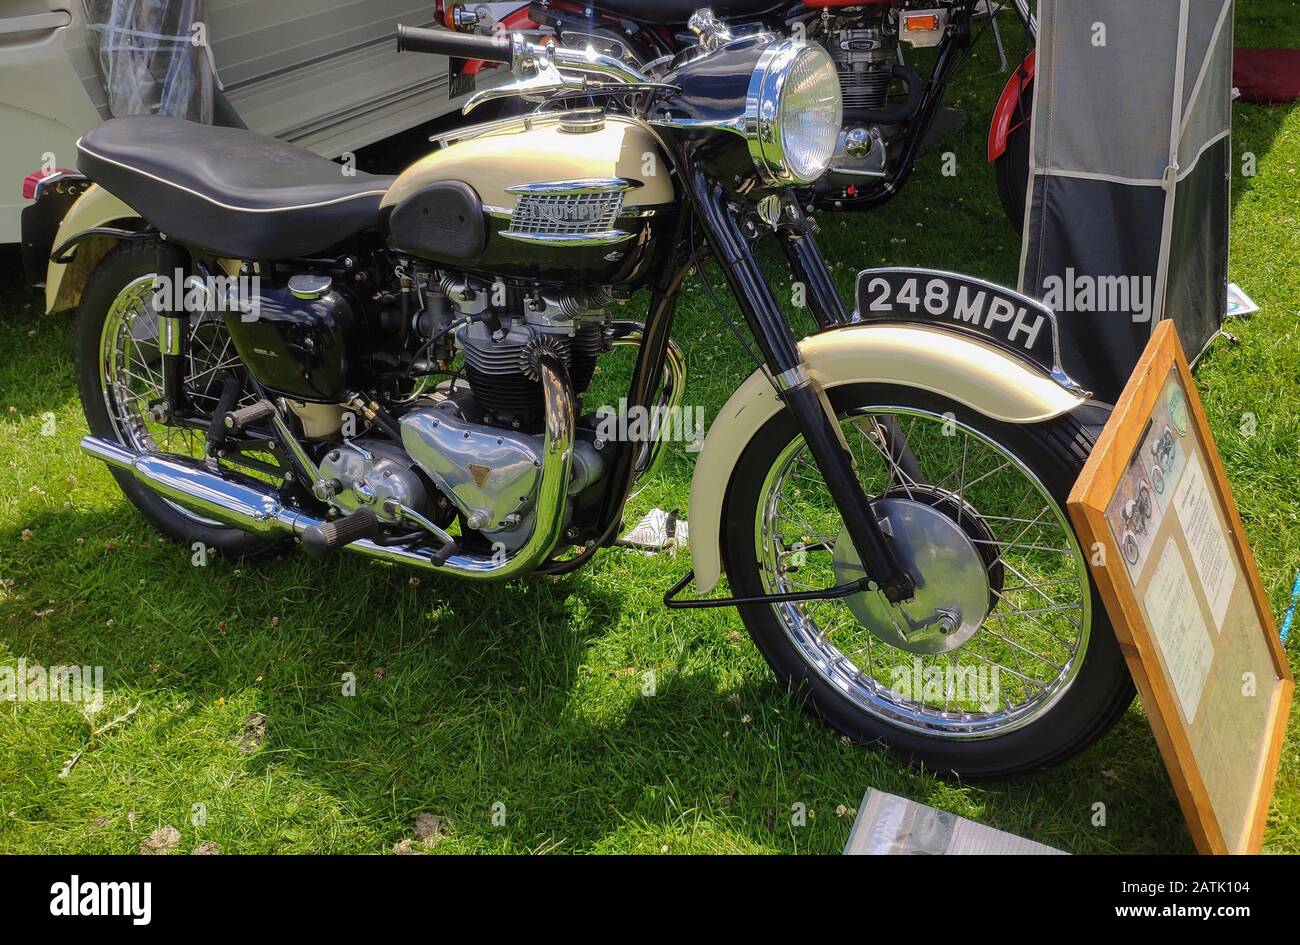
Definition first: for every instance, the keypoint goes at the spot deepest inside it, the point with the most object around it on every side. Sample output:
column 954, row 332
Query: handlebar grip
column 458, row 45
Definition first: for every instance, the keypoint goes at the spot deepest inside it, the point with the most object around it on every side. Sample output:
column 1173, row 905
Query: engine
column 449, row 363
column 501, row 343
column 480, row 442
column 865, row 47
column 863, row 57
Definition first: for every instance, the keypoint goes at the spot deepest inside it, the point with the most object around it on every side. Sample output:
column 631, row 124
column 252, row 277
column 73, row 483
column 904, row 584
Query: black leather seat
column 673, row 12
column 234, row 192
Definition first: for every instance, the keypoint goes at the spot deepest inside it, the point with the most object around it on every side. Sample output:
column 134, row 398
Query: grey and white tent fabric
column 1126, row 220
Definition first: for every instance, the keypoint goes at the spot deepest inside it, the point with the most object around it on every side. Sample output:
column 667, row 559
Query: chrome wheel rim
column 131, row 378
column 1025, row 652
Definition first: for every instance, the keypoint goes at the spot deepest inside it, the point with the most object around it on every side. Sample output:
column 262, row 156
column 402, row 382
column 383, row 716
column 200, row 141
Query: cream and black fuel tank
column 575, row 197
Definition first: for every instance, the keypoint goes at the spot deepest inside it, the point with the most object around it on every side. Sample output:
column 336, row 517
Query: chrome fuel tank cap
column 309, row 285
column 582, row 120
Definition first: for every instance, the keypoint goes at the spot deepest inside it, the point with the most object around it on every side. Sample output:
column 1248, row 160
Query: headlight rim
column 762, row 111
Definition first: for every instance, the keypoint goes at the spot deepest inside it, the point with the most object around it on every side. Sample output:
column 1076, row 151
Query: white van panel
column 49, row 94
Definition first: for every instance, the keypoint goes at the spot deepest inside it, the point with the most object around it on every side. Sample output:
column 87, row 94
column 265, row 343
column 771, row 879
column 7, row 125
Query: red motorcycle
column 890, row 109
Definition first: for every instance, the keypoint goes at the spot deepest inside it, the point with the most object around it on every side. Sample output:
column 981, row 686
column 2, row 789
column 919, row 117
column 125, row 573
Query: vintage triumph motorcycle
column 406, row 382
column 890, row 107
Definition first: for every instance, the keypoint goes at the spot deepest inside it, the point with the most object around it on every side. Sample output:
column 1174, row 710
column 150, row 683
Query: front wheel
column 1004, row 661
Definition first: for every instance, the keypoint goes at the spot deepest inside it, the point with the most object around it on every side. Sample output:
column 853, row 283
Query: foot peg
column 320, row 540
column 236, row 420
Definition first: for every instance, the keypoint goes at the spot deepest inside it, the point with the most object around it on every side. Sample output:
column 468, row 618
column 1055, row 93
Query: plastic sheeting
column 153, row 57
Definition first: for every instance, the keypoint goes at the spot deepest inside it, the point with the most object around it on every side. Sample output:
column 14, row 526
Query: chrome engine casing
column 491, row 474
column 479, row 443
column 375, row 474
column 860, row 152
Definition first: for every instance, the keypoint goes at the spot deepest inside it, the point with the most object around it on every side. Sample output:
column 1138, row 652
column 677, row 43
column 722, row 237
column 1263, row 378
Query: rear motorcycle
column 891, row 109
column 395, row 367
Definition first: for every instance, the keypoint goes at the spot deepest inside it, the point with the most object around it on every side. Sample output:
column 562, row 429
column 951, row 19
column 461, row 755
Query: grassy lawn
column 525, row 701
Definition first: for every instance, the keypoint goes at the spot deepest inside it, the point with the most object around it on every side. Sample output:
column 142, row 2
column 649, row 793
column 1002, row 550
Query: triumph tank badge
column 568, row 213
column 480, row 473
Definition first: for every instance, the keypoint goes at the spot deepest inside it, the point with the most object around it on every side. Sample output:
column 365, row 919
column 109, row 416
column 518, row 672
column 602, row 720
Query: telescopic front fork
column 795, row 233
column 803, row 397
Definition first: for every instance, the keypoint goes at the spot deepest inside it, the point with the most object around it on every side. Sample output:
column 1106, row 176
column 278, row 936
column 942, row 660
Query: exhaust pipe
column 624, row 332
column 254, row 507
column 224, row 499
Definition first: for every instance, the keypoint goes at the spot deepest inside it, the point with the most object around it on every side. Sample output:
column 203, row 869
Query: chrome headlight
column 793, row 112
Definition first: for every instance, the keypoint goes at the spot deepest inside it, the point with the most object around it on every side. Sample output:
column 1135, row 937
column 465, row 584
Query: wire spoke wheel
column 131, row 377
column 1003, row 611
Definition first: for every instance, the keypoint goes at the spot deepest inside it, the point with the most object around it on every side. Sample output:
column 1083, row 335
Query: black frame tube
column 677, row 260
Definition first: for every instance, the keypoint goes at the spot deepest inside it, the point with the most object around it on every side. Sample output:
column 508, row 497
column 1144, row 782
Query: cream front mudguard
column 962, row 369
column 95, row 207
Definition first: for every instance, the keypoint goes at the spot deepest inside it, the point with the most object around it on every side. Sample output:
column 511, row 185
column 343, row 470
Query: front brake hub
column 952, row 556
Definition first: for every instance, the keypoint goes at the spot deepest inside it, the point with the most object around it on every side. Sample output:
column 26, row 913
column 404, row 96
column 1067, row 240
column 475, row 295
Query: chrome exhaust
column 254, row 507
column 236, row 502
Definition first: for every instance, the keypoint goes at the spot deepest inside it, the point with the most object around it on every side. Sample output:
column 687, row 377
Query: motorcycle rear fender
column 95, row 207
column 1004, row 115
column 968, row 371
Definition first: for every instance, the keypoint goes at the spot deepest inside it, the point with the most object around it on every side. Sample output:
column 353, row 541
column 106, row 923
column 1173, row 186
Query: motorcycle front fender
column 966, row 370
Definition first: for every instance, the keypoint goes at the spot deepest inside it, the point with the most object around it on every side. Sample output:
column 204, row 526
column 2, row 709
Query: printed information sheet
column 1205, row 539
column 1184, row 639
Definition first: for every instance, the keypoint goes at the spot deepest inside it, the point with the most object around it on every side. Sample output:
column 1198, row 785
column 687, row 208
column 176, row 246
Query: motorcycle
column 1136, row 515
column 1162, row 455
column 880, row 140
column 289, row 352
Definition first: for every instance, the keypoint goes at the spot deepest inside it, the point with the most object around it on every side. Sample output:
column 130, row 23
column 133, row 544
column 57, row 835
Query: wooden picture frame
column 1220, row 737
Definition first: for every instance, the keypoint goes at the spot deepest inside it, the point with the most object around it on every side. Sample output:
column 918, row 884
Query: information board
column 1169, row 554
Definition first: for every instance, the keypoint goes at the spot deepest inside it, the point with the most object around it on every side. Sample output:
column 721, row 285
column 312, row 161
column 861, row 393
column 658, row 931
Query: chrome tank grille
column 566, row 213
column 579, row 212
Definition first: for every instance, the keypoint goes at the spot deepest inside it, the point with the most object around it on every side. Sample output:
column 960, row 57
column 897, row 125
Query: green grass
column 530, row 695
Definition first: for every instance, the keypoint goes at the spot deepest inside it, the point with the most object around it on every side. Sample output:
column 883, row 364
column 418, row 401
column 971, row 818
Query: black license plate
column 1000, row 316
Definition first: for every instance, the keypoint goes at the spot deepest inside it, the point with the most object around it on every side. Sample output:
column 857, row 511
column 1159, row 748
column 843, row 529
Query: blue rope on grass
column 1290, row 611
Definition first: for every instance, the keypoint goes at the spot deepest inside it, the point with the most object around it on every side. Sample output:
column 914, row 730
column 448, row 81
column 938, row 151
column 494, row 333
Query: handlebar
column 516, row 52
column 457, row 45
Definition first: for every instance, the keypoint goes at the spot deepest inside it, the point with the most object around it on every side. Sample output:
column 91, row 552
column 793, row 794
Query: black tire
column 1012, row 166
column 129, row 261
column 1055, row 451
